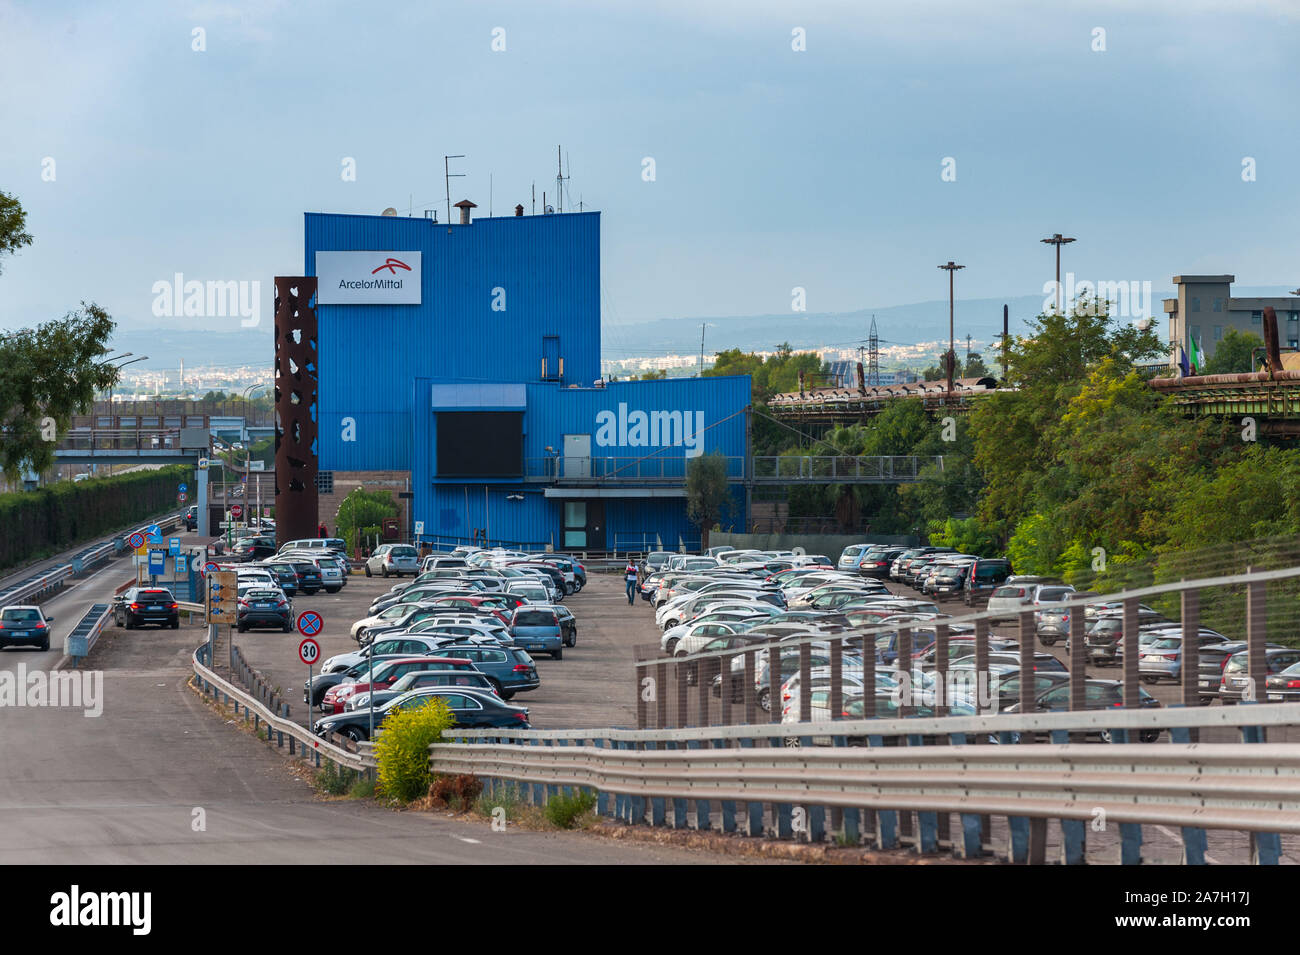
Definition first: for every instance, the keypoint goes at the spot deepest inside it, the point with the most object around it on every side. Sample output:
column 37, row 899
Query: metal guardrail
column 278, row 725
column 86, row 633
column 37, row 587
column 756, row 781
column 651, row 468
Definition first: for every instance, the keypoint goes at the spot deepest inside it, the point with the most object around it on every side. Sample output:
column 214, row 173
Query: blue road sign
column 180, row 564
column 183, row 488
column 173, row 546
column 157, row 562
column 155, row 530
column 310, row 623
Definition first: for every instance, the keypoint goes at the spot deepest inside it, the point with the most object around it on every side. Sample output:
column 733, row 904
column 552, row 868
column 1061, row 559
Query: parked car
column 141, row 605
column 253, row 548
column 1098, row 695
column 24, row 625
column 261, row 607
column 1234, row 685
column 1284, row 686
column 384, row 676
column 986, row 575
column 470, row 707
column 1162, row 657
column 414, row 681
column 538, row 628
column 192, row 517
column 511, row 669
column 313, row 691
column 393, row 559
column 306, row 571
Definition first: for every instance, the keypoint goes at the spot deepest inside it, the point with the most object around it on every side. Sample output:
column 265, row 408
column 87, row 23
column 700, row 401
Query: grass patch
column 363, row 787
column 564, row 810
column 332, row 781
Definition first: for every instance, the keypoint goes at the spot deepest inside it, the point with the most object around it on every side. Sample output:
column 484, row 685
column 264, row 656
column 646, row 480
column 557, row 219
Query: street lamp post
column 248, row 455
column 1057, row 240
column 951, row 268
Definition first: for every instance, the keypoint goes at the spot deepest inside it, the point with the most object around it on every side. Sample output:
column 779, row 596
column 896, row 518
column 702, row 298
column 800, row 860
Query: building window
column 1218, row 333
column 1196, row 333
column 1218, row 304
column 1196, row 303
column 1293, row 343
column 1295, row 317
column 1257, row 318
column 325, row 482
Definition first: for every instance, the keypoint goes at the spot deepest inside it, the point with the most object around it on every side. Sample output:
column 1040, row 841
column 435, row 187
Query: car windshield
column 22, row 615
column 403, row 552
column 1052, row 594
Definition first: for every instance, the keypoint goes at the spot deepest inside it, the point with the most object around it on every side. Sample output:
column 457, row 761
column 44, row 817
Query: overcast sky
column 773, row 167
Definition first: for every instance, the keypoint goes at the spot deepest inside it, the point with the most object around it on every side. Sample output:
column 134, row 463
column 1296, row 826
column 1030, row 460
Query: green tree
column 48, row 374
column 13, row 225
column 1233, row 353
column 361, row 514
column 707, row 494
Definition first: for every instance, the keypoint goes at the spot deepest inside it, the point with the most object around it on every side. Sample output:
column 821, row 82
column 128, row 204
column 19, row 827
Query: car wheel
column 557, row 654
column 356, row 734
column 1149, row 736
column 241, row 627
column 765, row 700
column 1151, row 680
column 383, row 571
column 287, row 628
column 1048, row 641
column 793, row 742
column 45, row 644
column 1106, row 736
column 127, row 625
column 368, row 573
column 672, row 646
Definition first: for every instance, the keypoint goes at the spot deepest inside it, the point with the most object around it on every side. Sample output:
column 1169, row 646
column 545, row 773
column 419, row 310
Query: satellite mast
column 448, row 175
column 560, row 178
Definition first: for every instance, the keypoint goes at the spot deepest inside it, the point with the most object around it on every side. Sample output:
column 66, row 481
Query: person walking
column 629, row 575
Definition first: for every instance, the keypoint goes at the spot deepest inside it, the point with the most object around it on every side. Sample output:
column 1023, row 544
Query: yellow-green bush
column 402, row 749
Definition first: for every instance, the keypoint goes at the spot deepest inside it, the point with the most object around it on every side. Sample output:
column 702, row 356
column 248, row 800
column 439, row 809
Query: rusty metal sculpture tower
column 296, row 384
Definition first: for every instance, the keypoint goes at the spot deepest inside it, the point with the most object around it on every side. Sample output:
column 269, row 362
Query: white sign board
column 419, row 527
column 368, row 278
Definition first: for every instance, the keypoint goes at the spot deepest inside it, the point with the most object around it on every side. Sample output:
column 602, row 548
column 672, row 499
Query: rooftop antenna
column 489, row 195
column 447, row 177
column 534, row 197
column 560, row 177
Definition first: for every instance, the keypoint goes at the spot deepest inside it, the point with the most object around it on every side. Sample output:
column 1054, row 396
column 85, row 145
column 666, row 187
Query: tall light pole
column 951, row 268
column 248, row 455
column 1057, row 240
column 119, row 367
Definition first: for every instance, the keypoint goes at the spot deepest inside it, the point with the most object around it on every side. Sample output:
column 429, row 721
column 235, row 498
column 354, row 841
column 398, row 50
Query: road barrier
column 37, row 587
column 276, row 723
column 85, row 634
column 759, row 785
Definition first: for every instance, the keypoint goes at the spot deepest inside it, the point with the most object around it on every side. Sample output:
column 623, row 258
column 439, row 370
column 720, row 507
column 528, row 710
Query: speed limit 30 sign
column 309, row 651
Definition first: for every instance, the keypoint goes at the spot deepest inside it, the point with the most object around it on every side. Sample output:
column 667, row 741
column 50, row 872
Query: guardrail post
column 886, row 820
column 1191, row 654
column 754, row 810
column 1265, row 847
column 622, row 801
column 702, row 819
column 1193, row 837
column 539, row 798
column 971, row 845
column 658, row 804
column 602, row 797
column 679, row 804
column 1018, row 837
column 1074, row 832
column 637, row 805
column 927, row 822
column 728, row 805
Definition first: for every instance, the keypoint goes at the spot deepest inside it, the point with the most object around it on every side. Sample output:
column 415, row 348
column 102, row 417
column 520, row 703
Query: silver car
column 390, row 559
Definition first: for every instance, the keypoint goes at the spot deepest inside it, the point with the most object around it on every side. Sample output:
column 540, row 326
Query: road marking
column 473, row 842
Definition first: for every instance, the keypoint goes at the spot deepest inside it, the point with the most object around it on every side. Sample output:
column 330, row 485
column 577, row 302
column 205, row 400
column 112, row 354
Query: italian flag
column 1197, row 356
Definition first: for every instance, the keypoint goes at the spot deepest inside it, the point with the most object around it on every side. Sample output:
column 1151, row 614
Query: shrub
column 458, row 792
column 563, row 810
column 402, row 749
column 332, row 781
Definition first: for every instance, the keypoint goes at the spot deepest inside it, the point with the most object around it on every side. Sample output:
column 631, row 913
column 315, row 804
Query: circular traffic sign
column 236, row 511
column 211, row 567
column 310, row 623
column 155, row 530
column 136, row 540
column 183, row 488
column 181, row 497
column 308, row 651
column 197, row 564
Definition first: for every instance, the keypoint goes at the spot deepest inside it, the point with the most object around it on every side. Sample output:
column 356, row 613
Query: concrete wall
column 832, row 545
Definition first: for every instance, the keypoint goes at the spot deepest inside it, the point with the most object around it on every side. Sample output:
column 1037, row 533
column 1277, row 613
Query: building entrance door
column 584, row 525
column 577, row 456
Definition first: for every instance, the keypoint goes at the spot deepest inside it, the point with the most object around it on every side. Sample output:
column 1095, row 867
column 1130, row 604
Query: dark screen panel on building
column 480, row 444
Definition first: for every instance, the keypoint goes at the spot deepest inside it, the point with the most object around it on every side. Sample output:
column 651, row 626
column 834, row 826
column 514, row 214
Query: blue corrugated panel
column 547, row 266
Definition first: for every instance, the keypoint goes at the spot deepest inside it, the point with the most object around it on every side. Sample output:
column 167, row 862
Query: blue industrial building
column 468, row 355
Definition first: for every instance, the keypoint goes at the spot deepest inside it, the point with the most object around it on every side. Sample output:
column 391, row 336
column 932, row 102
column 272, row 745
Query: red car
column 386, row 674
column 497, row 604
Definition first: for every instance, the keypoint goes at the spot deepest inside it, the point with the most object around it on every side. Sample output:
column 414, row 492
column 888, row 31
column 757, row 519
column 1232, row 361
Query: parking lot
column 590, row 687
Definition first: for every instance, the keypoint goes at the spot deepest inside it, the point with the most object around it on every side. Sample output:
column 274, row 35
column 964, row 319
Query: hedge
column 68, row 513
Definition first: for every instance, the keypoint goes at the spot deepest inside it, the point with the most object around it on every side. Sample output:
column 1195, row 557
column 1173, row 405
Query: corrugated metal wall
column 549, row 269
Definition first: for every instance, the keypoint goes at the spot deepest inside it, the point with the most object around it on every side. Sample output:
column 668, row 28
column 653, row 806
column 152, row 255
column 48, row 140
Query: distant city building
column 1205, row 310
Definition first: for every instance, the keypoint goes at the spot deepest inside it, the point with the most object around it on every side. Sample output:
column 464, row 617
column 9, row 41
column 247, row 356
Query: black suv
column 985, row 576
column 141, row 605
column 253, row 548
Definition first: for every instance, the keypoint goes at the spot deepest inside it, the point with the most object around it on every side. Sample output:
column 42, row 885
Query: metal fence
column 843, row 468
